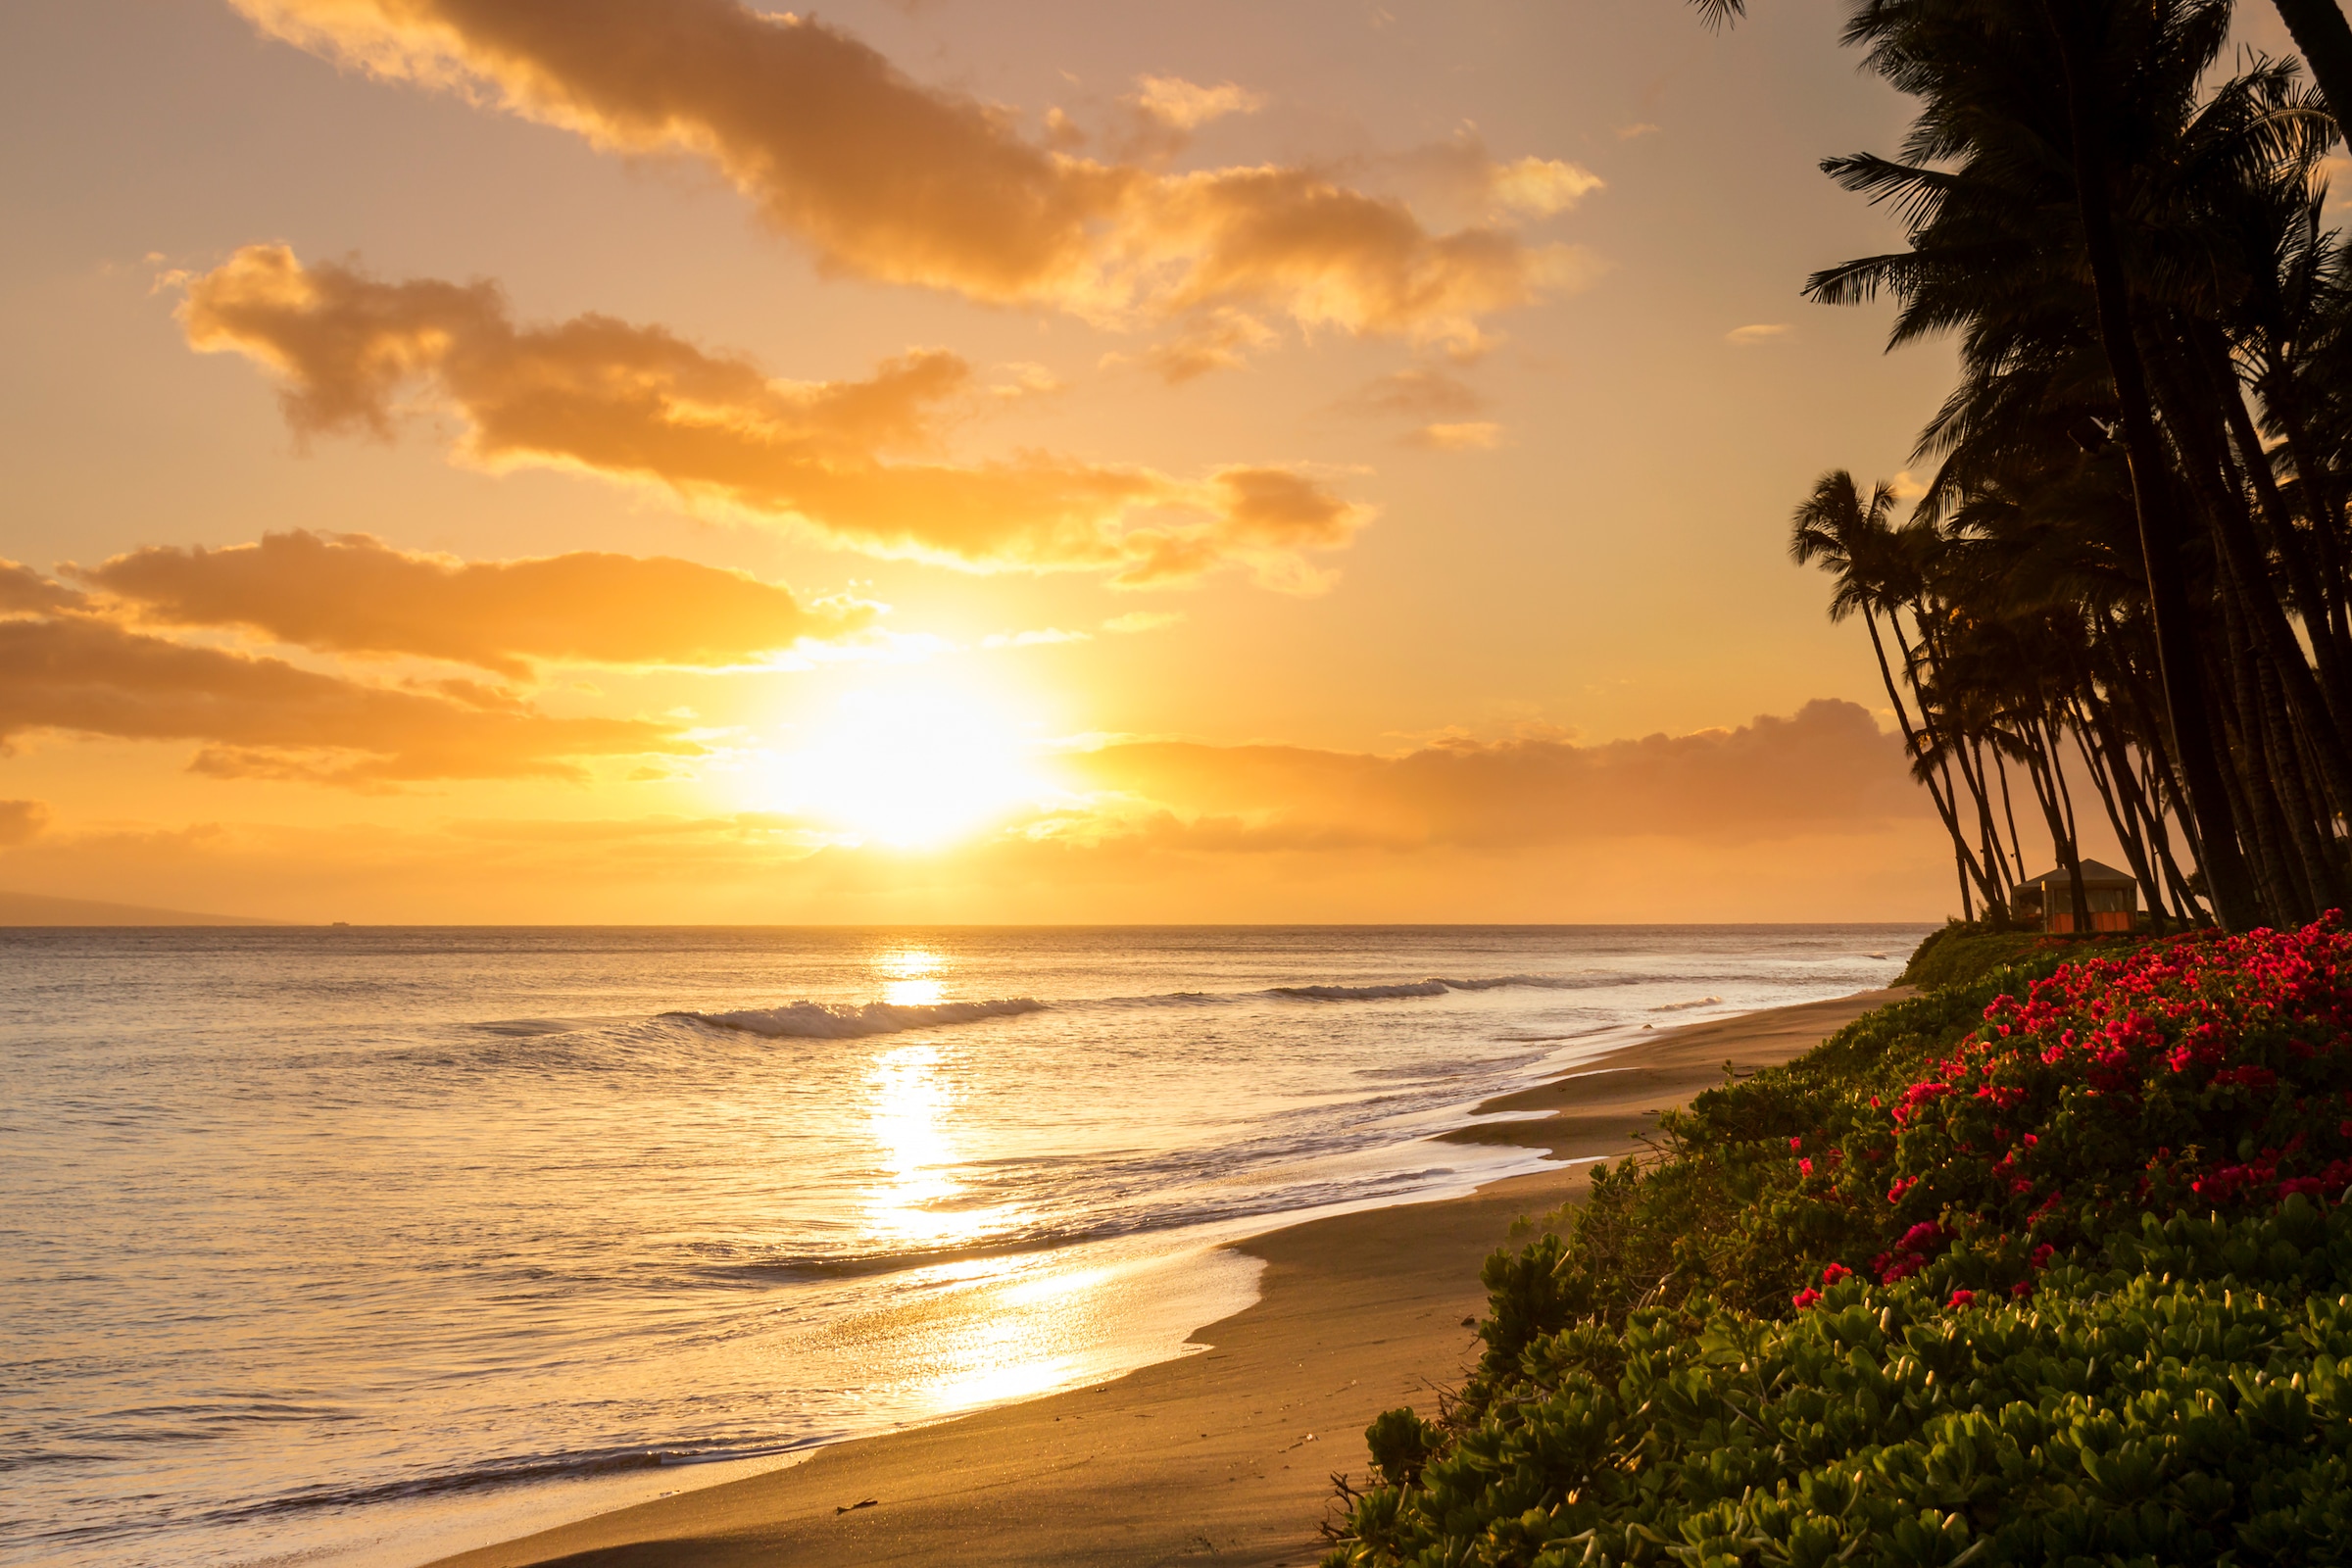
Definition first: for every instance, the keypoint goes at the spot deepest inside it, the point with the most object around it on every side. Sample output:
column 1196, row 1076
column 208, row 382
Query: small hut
column 2047, row 901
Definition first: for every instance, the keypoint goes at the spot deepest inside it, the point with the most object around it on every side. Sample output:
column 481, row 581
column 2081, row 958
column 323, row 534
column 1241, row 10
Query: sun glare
column 910, row 766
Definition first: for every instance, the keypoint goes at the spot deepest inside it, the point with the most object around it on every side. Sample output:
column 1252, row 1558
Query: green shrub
column 1959, row 955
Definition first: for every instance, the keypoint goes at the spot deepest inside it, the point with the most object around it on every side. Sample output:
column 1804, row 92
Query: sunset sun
column 910, row 766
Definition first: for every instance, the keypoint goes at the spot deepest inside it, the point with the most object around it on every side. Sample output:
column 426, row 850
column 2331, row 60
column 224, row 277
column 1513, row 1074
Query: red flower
column 1962, row 1299
column 1836, row 1272
column 1805, row 1297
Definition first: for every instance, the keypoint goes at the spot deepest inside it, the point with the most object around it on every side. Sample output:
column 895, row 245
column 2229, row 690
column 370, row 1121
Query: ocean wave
column 1438, row 985
column 841, row 1020
column 505, row 1473
column 1682, row 1006
column 1425, row 988
column 1542, row 982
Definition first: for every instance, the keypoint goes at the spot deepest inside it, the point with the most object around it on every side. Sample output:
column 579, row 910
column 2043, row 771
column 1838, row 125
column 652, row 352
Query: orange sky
column 526, row 459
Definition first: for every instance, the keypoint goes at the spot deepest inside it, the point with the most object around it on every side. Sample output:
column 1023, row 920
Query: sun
column 915, row 766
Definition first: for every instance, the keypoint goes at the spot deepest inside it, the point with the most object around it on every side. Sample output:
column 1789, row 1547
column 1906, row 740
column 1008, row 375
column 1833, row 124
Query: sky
column 654, row 461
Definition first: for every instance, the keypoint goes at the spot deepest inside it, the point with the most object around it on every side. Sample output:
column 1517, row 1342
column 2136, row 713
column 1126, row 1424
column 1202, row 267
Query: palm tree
column 1836, row 528
column 2317, row 28
column 2109, row 237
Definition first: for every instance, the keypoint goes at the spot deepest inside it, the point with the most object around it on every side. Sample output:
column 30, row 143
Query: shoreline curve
column 1224, row 1456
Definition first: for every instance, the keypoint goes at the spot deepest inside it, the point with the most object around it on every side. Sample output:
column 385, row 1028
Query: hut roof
column 2095, row 874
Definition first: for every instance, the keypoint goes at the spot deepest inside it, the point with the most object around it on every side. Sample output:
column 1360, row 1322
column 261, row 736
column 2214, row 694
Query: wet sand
column 1224, row 1457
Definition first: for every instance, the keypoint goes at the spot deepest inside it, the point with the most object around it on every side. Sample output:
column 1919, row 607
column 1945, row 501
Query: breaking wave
column 837, row 1020
column 1681, row 1006
column 1439, row 986
column 1425, row 988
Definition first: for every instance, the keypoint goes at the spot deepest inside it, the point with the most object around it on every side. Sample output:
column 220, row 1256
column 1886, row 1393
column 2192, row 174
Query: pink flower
column 1796, row 1143
column 2022, row 1289
column 1836, row 1272
column 1805, row 1297
column 1804, row 1167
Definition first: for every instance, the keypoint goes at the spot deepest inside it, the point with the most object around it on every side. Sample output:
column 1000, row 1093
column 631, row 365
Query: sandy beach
column 1223, row 1457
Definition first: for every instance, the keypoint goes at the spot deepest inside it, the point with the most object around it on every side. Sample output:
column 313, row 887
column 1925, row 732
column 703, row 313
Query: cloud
column 1828, row 768
column 1741, row 338
column 1182, row 104
column 353, row 593
column 1640, row 129
column 21, row 589
column 22, row 822
column 638, row 403
column 266, row 718
column 1215, row 342
column 1270, row 515
column 1464, row 174
column 880, row 177
column 1471, row 436
column 1539, row 187
column 1140, row 621
column 1416, row 394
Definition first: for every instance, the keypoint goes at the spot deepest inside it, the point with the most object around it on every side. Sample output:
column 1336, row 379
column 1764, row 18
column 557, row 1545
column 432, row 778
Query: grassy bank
column 2047, row 1266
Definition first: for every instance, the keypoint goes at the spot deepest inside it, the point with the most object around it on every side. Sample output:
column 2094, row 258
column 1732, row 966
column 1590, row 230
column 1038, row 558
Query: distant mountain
column 39, row 909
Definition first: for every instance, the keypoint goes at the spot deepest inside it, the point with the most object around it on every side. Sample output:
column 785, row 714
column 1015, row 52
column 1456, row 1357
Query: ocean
column 362, row 1246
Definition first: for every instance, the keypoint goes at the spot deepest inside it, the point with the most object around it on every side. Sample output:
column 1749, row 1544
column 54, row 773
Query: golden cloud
column 1214, row 341
column 883, row 178
column 263, row 717
column 1476, row 435
column 353, row 593
column 1419, row 393
column 638, row 403
column 23, row 589
column 1827, row 769
column 1184, row 105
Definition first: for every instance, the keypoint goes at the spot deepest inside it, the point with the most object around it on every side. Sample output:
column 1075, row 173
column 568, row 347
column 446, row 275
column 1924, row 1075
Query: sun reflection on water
column 919, row 1201
column 911, row 976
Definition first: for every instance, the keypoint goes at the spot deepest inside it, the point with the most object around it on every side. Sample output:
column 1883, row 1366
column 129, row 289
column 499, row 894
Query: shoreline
column 1356, row 1313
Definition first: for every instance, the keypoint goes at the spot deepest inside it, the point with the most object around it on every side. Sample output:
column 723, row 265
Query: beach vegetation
column 2053, row 1267
column 1962, row 952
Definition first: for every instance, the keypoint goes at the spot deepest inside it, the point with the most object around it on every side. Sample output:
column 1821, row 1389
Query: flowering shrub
column 2209, row 1073
column 2050, row 1268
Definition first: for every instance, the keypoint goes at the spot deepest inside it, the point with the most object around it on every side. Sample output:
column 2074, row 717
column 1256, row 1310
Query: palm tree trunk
column 2218, row 481
column 2234, row 901
column 2111, row 771
column 1945, row 808
column 2326, row 40
column 2017, row 849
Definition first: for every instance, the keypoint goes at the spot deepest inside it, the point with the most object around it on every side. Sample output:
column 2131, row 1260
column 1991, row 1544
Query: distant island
column 41, row 909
